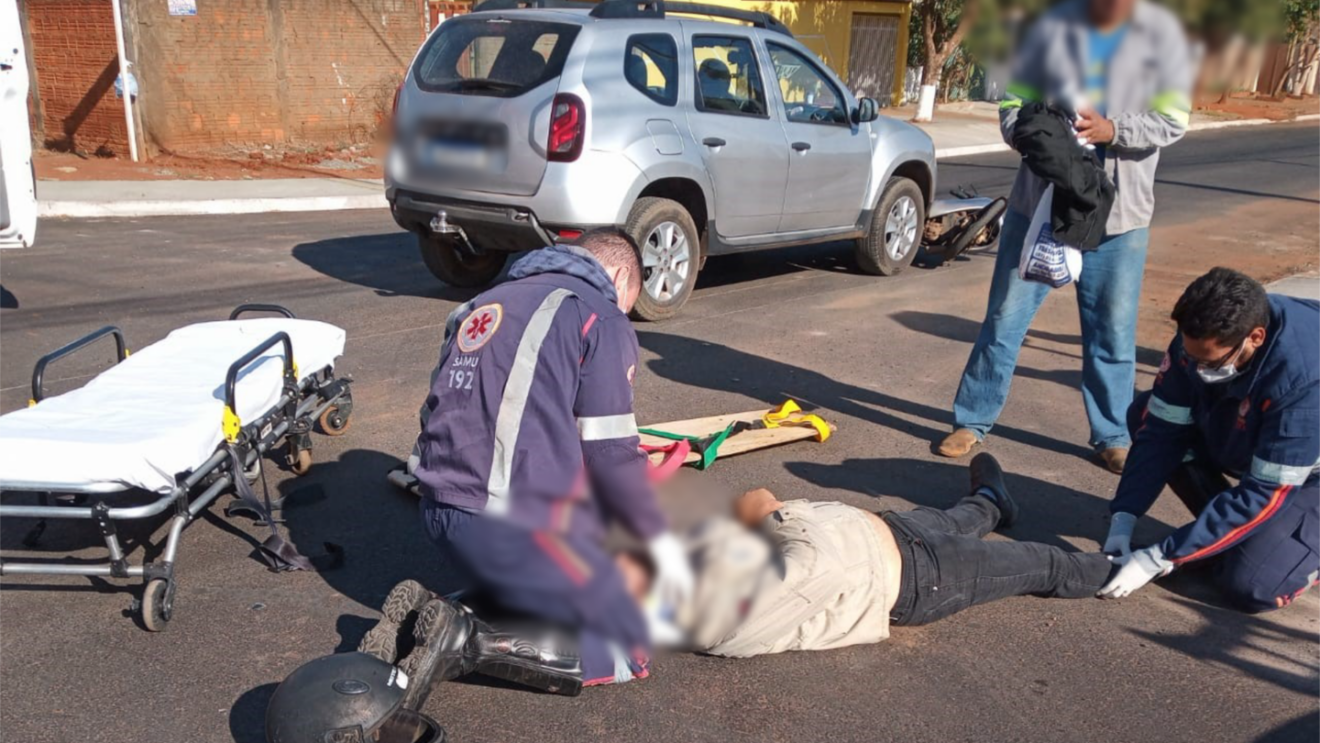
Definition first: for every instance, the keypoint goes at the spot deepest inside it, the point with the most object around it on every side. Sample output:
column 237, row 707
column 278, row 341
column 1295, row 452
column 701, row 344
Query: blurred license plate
column 461, row 155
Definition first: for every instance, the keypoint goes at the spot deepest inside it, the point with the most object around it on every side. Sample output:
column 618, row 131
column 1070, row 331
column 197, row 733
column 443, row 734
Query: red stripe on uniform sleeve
column 1276, row 500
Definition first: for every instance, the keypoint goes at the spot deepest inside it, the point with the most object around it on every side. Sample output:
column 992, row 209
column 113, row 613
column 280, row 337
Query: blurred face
column 1111, row 12
column 1209, row 353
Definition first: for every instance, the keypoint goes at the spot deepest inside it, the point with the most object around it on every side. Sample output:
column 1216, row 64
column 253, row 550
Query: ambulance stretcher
column 170, row 428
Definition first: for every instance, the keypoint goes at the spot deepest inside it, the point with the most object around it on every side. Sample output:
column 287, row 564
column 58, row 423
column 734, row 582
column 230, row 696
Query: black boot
column 541, row 657
column 442, row 633
column 986, row 474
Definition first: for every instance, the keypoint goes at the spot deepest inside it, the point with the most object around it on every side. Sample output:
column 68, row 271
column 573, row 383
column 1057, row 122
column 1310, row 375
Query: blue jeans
column 1107, row 295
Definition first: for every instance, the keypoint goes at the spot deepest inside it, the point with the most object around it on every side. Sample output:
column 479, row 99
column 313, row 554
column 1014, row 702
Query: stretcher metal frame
column 321, row 397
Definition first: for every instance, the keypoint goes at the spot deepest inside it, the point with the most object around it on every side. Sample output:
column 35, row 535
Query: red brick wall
column 73, row 51
column 245, row 72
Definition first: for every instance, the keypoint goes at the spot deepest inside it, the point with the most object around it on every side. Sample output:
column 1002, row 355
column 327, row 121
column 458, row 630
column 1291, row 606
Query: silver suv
column 531, row 121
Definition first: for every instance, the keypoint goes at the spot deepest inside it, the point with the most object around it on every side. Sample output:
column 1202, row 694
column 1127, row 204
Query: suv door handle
column 713, row 142
column 801, row 146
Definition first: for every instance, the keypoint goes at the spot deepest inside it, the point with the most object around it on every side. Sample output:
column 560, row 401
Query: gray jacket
column 1147, row 98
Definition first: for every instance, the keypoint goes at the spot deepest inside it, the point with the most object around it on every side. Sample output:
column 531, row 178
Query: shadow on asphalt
column 708, row 365
column 954, row 328
column 247, row 716
column 388, row 263
column 1224, row 637
column 7, row 299
column 376, row 524
column 1049, row 511
column 1305, row 729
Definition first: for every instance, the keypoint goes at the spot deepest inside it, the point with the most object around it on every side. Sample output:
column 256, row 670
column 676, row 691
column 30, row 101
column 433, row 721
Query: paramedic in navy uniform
column 530, row 448
column 1237, row 395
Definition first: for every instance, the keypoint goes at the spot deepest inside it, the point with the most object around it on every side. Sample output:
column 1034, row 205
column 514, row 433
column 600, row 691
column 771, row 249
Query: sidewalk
column 176, row 198
column 960, row 129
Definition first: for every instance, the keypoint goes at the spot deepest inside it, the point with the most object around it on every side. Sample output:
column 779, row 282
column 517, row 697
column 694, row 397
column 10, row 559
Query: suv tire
column 897, row 226
column 668, row 239
column 458, row 269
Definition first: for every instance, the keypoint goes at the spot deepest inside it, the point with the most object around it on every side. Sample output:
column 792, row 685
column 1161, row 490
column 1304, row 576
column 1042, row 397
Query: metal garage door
column 872, row 56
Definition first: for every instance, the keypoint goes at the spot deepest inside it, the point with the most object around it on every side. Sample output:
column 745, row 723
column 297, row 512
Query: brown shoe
column 958, row 443
column 1114, row 458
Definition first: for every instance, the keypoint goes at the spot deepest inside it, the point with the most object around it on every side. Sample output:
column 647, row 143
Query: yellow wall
column 825, row 27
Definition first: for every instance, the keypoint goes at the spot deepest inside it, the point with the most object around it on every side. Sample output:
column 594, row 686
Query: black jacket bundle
column 1083, row 193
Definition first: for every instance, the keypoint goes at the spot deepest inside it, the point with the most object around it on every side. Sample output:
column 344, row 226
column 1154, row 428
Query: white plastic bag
column 1044, row 258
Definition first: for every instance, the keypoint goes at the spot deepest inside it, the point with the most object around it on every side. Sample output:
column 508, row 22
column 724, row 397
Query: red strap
column 675, row 454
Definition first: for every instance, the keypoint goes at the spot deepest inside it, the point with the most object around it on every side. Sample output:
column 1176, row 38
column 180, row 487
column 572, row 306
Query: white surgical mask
column 1224, row 373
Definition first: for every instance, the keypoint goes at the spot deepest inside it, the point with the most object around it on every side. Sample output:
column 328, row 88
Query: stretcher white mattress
column 158, row 413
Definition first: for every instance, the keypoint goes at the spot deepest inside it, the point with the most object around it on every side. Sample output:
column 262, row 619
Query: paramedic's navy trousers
column 1107, row 293
column 1278, row 561
column 566, row 579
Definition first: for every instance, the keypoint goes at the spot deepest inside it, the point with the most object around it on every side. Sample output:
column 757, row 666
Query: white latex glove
column 1119, row 541
column 673, row 574
column 1138, row 569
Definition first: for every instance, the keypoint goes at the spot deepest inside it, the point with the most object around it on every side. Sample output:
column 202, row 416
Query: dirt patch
column 320, row 162
column 1254, row 106
column 1265, row 239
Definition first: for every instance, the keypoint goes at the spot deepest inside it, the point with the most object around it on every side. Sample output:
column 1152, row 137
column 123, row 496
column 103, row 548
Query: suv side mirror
column 867, row 110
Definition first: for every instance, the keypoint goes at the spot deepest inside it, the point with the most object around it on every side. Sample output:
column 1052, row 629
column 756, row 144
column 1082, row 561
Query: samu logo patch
column 479, row 327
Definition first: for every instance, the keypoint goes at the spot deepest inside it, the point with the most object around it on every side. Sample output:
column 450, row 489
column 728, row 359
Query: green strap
column 706, row 446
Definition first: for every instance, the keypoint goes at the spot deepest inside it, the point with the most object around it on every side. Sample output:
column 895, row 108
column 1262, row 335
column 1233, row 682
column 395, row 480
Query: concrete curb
column 984, row 149
column 119, row 209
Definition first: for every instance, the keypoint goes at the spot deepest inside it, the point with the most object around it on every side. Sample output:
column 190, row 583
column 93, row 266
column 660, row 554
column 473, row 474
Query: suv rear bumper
column 492, row 226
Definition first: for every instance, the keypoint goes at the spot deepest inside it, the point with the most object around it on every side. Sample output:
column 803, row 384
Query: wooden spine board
column 741, row 443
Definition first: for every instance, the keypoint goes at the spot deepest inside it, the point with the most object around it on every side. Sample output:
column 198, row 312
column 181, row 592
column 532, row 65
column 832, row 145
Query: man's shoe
column 958, row 443
column 441, row 634
column 1114, row 458
column 987, row 475
column 392, row 633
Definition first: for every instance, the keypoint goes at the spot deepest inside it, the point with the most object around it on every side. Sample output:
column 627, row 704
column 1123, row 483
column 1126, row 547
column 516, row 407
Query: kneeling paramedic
column 1236, row 396
column 528, row 449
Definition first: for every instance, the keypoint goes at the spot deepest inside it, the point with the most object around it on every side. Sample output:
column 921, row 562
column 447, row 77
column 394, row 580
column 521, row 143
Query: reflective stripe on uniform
column 1173, row 105
column 1178, row 416
column 1016, row 94
column 604, row 427
column 1281, row 474
column 508, row 422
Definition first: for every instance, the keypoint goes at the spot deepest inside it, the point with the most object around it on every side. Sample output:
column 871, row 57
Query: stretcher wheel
column 301, row 462
column 157, row 605
column 334, row 423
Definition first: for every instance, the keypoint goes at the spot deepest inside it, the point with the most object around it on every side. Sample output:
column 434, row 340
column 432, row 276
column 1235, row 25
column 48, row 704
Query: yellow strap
column 231, row 425
column 790, row 414
column 32, row 403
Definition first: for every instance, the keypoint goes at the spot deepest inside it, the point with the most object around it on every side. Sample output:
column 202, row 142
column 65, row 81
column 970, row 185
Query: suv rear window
column 497, row 57
column 650, row 64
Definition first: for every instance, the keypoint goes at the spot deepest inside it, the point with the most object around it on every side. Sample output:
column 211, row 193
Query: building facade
column 238, row 73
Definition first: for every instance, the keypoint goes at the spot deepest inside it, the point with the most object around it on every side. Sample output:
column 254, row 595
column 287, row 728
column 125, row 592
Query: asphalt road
column 879, row 357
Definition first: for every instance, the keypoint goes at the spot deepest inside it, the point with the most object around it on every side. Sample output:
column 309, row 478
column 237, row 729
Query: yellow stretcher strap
column 790, row 414
column 231, row 425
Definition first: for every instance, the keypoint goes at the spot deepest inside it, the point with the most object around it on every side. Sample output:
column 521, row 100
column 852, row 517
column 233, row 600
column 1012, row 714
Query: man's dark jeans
column 947, row 568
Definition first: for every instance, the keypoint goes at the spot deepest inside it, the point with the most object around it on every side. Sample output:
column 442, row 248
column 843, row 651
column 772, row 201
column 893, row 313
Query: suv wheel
column 458, row 268
column 670, row 255
column 896, row 229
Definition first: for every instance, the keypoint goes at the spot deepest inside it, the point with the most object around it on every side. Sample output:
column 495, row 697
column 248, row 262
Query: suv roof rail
column 522, row 4
column 757, row 18
column 643, row 9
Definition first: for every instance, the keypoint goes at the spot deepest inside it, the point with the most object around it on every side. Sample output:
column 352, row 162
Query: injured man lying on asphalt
column 812, row 576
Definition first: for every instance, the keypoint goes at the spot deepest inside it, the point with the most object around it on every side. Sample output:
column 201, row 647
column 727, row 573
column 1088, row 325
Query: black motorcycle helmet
column 346, row 698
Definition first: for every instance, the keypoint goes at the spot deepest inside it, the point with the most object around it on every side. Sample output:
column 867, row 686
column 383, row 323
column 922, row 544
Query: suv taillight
column 394, row 108
column 568, row 123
